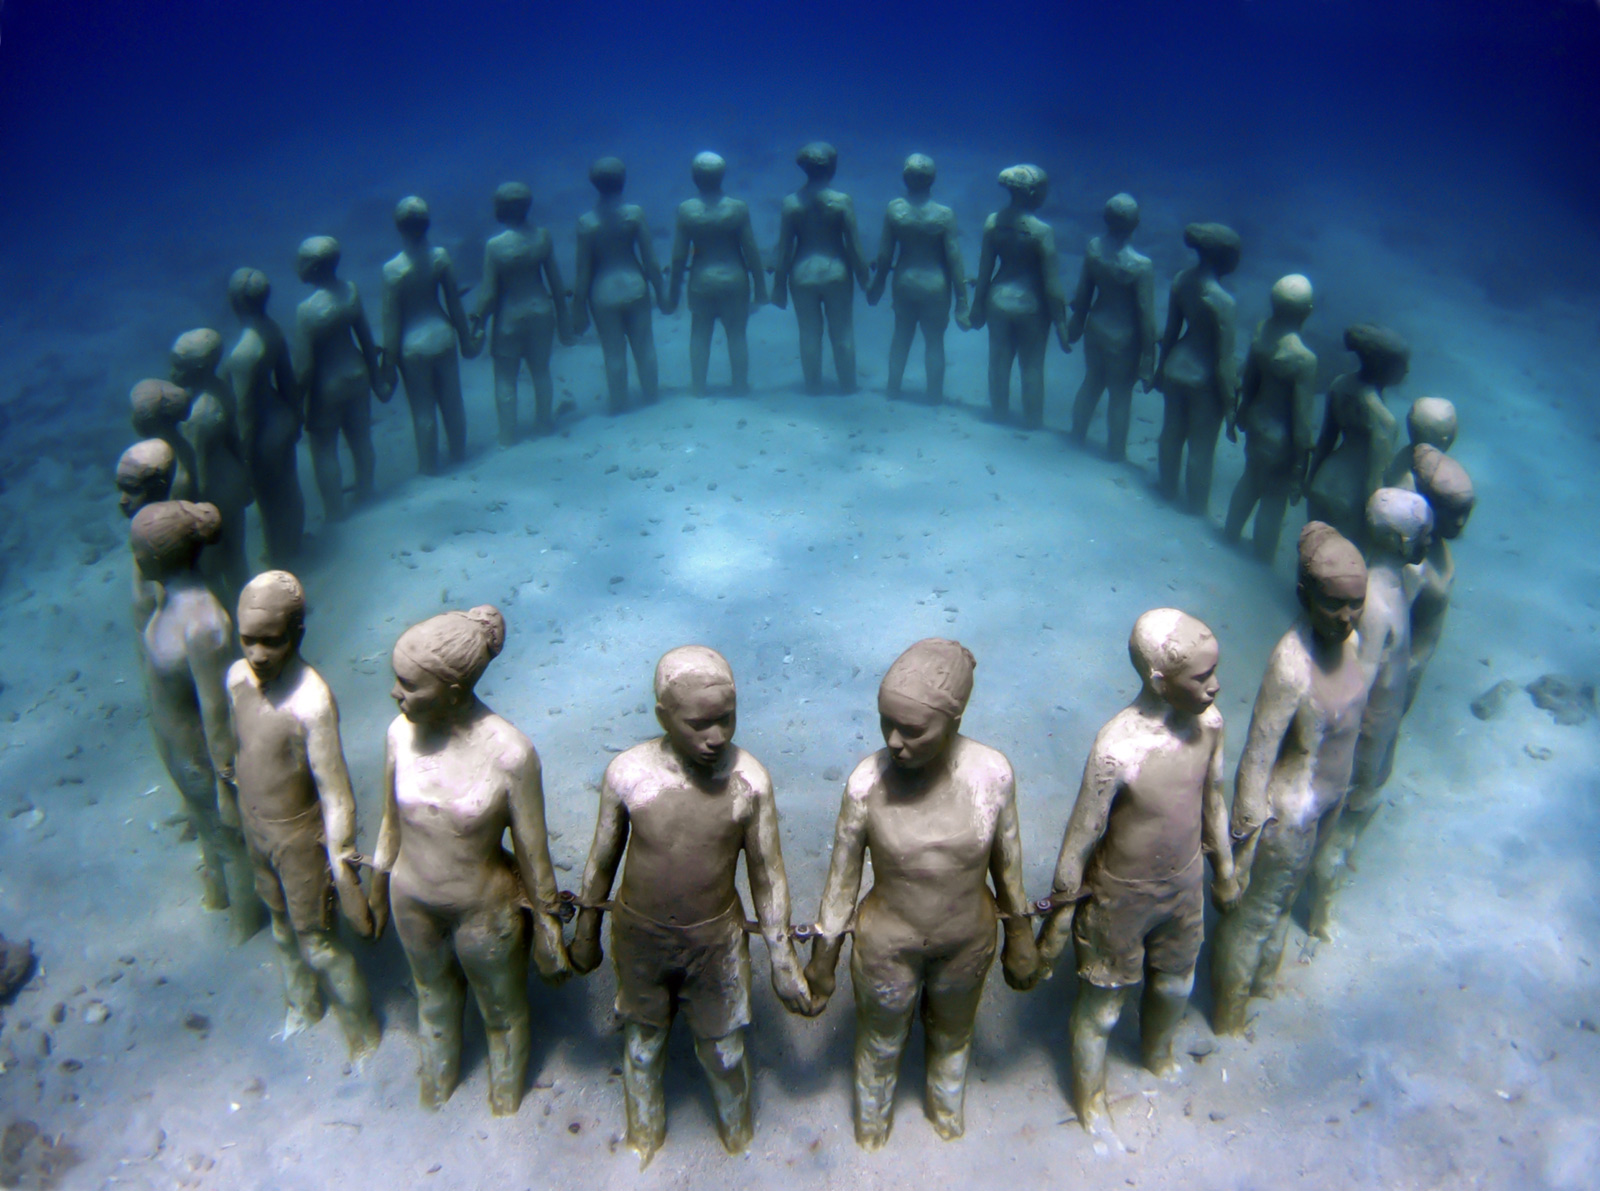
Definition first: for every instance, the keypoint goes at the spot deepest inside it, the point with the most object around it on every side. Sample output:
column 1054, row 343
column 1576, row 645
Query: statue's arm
column 468, row 344
column 488, row 297
column 1082, row 300
column 1327, row 437
column 750, row 252
column 605, row 854
column 1224, row 313
column 210, row 651
column 839, row 894
column 783, row 257
column 530, row 844
column 680, row 262
column 1381, row 430
column 582, row 277
column 980, row 291
column 1055, row 297
column 1097, row 790
column 1169, row 337
column 1277, row 701
column 331, row 776
column 387, row 849
column 1019, row 956
column 288, row 382
column 647, row 260
column 956, row 269
column 769, row 889
column 389, row 324
column 1303, row 404
column 1146, row 294
column 1215, row 837
column 885, row 258
column 558, row 292
column 855, row 256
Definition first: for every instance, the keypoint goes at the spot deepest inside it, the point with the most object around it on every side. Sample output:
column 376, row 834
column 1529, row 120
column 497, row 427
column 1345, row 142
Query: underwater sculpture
column 270, row 414
column 456, row 778
column 1431, row 421
column 1398, row 527
column 819, row 258
column 921, row 247
column 421, row 336
column 522, row 292
column 336, row 366
column 297, row 810
column 616, row 274
column 1195, row 369
column 221, row 476
column 938, row 813
column 144, row 477
column 1114, row 312
column 1277, row 408
column 188, row 646
column 1447, row 488
column 1356, row 444
column 1018, row 293
column 684, row 806
column 1294, row 771
column 1129, row 886
column 159, row 408
column 715, row 245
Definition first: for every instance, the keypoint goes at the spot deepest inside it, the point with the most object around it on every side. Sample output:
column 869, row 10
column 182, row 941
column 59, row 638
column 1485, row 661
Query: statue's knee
column 1170, row 984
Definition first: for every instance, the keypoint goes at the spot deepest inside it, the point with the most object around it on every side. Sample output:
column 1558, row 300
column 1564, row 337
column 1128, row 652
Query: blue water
column 1432, row 165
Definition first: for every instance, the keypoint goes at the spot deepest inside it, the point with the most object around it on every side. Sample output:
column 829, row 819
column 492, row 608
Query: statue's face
column 267, row 638
column 1192, row 686
column 1334, row 605
column 424, row 698
column 1414, row 544
column 1450, row 520
column 133, row 495
column 699, row 721
column 915, row 733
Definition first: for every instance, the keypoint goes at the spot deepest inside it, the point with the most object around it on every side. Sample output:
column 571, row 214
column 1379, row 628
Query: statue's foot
column 948, row 1125
column 431, row 1092
column 302, row 1016
column 737, row 1139
column 504, row 1102
column 1228, row 1019
column 1161, row 1064
column 872, row 1140
column 361, row 1036
column 247, row 916
column 645, row 1144
column 214, row 895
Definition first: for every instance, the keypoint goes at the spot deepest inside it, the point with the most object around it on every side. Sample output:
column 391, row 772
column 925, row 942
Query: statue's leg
column 609, row 327
column 1033, row 336
column 886, row 991
column 1119, row 410
column 506, row 369
column 934, row 319
column 1002, row 352
column 808, row 314
column 452, row 410
column 325, row 466
column 1161, row 1010
column 702, row 322
column 1088, row 397
column 735, row 315
column 1245, row 495
column 1205, row 425
column 1169, row 448
column 441, row 996
column 644, row 1059
column 492, row 945
column 950, row 999
column 417, row 374
column 1094, row 1016
column 1331, row 866
column 301, row 988
column 352, row 1003
column 839, row 297
column 1270, row 513
column 905, row 329
column 727, row 1067
column 642, row 338
column 1249, row 939
column 356, row 422
column 541, row 341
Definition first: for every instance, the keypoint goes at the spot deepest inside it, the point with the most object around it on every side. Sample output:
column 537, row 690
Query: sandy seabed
column 1446, row 1039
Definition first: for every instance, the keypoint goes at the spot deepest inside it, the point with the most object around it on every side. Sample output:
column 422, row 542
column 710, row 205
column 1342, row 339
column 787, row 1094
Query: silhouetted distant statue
column 1356, row 444
column 222, row 479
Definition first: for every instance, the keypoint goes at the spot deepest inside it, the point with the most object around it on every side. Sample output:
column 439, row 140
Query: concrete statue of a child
column 188, row 646
column 158, row 410
column 820, row 261
column 1195, row 369
column 1277, row 411
column 1399, row 526
column 1129, row 884
column 144, row 477
column 1447, row 488
column 1018, row 293
column 1114, row 312
column 424, row 327
column 1356, row 444
column 921, row 247
column 1431, row 421
column 938, row 813
column 271, row 412
column 297, row 810
column 522, row 293
column 337, row 367
column 1294, row 771
column 616, row 275
column 715, row 246
column 222, row 477
column 684, row 806
column 457, row 777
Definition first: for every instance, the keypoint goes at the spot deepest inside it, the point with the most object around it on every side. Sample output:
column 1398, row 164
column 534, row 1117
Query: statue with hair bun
column 938, row 813
column 158, row 410
column 187, row 648
column 1018, row 293
column 1447, row 488
column 456, row 777
column 1356, row 444
column 1129, row 886
column 1294, row 771
column 298, row 811
column 221, row 477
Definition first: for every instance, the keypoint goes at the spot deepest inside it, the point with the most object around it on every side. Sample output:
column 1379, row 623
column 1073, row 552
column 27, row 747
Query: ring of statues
column 250, row 733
